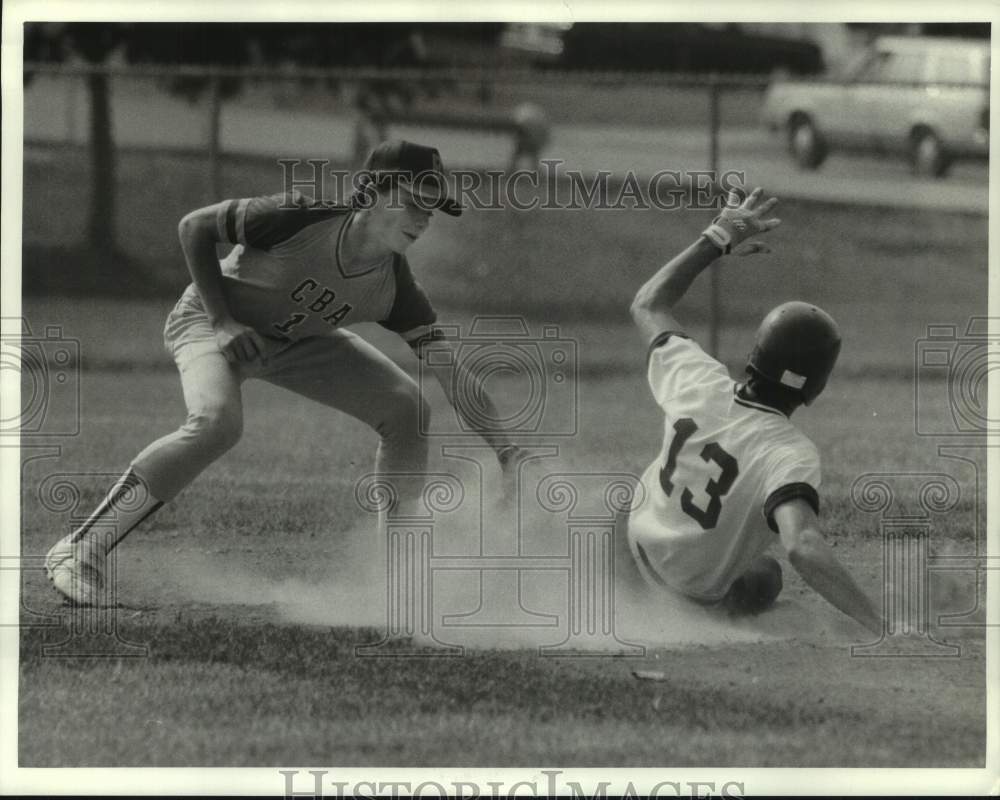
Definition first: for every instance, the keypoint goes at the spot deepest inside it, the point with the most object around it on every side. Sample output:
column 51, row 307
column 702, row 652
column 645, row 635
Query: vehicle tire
column 805, row 143
column 928, row 157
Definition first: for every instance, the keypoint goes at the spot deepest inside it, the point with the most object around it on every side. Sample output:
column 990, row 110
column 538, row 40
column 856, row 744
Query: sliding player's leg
column 345, row 372
column 628, row 578
column 214, row 423
column 756, row 589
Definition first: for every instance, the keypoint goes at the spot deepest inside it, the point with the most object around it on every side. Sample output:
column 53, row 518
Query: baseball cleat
column 76, row 574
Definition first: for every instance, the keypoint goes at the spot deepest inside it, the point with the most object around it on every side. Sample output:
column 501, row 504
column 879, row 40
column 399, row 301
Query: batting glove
column 739, row 221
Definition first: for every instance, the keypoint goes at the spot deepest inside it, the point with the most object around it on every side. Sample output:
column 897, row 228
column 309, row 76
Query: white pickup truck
column 921, row 97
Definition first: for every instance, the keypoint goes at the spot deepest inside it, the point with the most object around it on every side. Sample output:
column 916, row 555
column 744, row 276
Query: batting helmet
column 797, row 346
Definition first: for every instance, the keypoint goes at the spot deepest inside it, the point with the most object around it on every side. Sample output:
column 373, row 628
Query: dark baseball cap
column 415, row 167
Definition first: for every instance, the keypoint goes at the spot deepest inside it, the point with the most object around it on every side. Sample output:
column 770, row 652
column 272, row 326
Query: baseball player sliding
column 276, row 309
column 733, row 472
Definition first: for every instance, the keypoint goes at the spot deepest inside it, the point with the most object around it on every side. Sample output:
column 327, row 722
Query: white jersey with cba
column 726, row 463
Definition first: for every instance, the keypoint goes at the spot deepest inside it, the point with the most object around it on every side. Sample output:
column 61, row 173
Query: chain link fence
column 334, row 113
column 185, row 137
column 182, row 136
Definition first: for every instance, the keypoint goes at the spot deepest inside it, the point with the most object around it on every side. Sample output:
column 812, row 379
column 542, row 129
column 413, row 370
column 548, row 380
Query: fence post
column 214, row 121
column 715, row 303
column 73, row 135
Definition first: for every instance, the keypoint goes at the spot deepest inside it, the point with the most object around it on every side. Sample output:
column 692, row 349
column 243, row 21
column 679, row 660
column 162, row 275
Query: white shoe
column 76, row 573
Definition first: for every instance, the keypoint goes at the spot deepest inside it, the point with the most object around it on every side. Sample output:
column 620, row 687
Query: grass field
column 251, row 591
column 884, row 274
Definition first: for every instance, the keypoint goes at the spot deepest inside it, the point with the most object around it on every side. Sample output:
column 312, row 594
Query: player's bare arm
column 814, row 560
column 228, row 313
column 652, row 308
column 449, row 377
column 199, row 236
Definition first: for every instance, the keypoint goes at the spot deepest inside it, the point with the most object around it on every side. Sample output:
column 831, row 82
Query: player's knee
column 756, row 589
column 406, row 410
column 216, row 428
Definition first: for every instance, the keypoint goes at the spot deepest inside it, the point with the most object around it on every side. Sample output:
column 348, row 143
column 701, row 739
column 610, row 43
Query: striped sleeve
column 661, row 339
column 412, row 315
column 230, row 220
column 264, row 222
column 794, row 473
column 790, row 491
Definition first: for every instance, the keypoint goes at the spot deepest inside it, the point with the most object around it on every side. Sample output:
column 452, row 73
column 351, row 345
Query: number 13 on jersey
column 716, row 488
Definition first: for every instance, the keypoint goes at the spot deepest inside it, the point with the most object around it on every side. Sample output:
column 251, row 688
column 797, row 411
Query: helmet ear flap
column 772, row 390
column 825, row 358
column 796, row 348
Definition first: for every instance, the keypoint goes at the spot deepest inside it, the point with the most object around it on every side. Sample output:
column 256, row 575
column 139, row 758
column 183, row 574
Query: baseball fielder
column 276, row 309
column 733, row 472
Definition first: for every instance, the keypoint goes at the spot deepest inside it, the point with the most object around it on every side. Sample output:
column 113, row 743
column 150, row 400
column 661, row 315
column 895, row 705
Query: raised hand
column 739, row 221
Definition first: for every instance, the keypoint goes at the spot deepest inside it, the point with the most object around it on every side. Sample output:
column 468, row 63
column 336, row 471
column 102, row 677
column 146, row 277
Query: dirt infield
column 248, row 595
column 237, row 684
column 251, row 593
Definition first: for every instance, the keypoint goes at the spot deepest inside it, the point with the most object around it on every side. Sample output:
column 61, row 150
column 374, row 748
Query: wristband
column 719, row 236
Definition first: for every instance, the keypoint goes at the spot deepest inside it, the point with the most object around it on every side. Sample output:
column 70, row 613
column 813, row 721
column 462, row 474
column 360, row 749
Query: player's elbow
column 654, row 297
column 635, row 309
column 642, row 316
column 197, row 225
column 642, row 305
column 187, row 225
column 804, row 546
